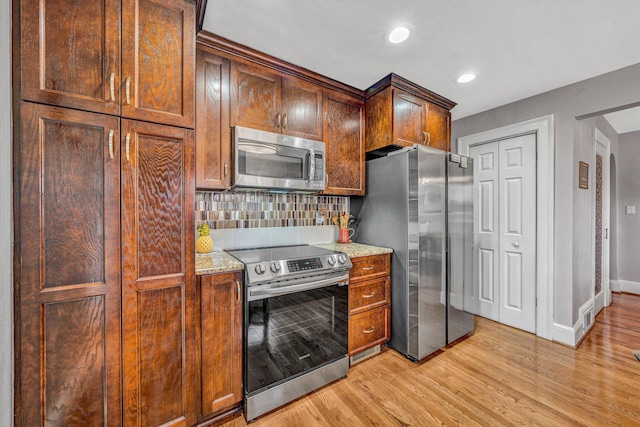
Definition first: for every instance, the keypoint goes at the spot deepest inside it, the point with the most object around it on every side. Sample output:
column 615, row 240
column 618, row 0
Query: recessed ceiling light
column 466, row 78
column 398, row 35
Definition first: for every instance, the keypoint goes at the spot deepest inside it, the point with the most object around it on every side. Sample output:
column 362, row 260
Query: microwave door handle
column 312, row 165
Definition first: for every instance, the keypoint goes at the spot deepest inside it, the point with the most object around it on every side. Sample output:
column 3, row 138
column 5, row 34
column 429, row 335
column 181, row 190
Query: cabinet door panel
column 158, row 61
column 438, row 126
column 408, row 115
column 70, row 50
column 221, row 309
column 301, row 109
column 369, row 329
column 213, row 137
column 69, row 226
column 343, row 130
column 255, row 97
column 368, row 295
column 157, row 280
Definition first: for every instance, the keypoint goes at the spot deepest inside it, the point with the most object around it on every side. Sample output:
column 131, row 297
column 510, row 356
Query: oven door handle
column 257, row 294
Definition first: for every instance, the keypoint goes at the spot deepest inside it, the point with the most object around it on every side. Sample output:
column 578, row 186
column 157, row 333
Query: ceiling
column 625, row 120
column 518, row 48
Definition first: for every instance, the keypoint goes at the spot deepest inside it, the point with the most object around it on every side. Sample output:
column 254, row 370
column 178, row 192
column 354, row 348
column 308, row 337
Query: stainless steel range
column 295, row 323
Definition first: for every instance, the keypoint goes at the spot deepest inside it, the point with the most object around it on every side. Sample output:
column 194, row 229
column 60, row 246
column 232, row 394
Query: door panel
column 301, row 109
column 518, row 232
column 158, row 61
column 69, row 226
column 158, row 285
column 255, row 98
column 438, row 127
column 486, row 207
column 408, row 115
column 70, row 50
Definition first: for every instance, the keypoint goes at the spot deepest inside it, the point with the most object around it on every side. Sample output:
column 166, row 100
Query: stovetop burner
column 282, row 262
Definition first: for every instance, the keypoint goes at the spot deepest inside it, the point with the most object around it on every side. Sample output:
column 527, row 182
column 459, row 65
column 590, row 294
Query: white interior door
column 486, row 229
column 602, row 293
column 505, row 228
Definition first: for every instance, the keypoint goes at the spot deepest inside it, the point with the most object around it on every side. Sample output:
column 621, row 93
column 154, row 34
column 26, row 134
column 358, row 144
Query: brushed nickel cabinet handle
column 368, row 296
column 238, row 290
column 368, row 268
column 284, row 121
column 226, row 170
column 278, row 120
column 127, row 143
column 424, row 137
column 127, row 90
column 112, row 86
column 368, row 331
column 428, row 138
column 111, row 144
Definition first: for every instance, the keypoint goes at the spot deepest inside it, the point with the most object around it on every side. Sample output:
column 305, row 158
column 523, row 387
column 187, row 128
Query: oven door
column 288, row 334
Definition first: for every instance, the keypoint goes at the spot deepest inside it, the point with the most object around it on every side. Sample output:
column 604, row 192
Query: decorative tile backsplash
column 235, row 210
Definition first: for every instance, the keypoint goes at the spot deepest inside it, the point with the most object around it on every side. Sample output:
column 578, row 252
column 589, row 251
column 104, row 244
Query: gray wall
column 629, row 194
column 6, row 280
column 599, row 94
column 583, row 205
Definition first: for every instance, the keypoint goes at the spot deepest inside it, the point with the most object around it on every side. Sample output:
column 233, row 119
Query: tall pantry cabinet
column 104, row 286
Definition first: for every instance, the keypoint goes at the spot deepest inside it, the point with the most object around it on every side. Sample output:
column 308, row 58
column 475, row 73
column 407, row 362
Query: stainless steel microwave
column 271, row 161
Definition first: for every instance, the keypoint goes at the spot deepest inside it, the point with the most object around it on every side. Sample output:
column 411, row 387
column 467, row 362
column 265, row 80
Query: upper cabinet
column 399, row 113
column 74, row 54
column 262, row 99
column 343, row 135
column 213, row 136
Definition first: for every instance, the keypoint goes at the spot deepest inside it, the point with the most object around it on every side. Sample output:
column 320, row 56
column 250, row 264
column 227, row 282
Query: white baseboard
column 567, row 335
column 614, row 285
column 629, row 286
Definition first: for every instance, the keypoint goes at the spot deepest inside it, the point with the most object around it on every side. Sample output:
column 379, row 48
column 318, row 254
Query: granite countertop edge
column 222, row 262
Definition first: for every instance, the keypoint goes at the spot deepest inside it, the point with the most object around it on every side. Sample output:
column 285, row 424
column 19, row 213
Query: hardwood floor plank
column 499, row 376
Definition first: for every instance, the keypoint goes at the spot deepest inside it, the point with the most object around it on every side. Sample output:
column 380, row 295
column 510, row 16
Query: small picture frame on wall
column 583, row 175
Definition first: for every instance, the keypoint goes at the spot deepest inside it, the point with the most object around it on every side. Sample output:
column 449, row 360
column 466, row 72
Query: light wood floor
column 498, row 376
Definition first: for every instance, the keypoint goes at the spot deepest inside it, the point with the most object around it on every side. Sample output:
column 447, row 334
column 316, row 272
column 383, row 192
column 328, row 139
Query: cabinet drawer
column 370, row 267
column 368, row 329
column 368, row 295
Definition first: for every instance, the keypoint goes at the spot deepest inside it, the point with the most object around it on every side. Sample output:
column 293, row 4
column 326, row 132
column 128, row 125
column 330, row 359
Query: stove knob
column 332, row 261
column 275, row 267
column 341, row 259
column 260, row 269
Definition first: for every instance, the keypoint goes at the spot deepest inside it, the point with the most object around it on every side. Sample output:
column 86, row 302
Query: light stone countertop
column 222, row 262
column 216, row 262
column 354, row 250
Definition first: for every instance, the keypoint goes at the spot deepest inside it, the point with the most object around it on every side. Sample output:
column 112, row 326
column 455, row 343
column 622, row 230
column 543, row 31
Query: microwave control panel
column 319, row 168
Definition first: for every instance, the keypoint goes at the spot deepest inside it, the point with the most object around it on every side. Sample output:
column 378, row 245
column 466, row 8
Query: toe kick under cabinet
column 369, row 309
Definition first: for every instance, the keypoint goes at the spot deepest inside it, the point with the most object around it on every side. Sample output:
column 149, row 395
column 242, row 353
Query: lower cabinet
column 369, row 298
column 221, row 341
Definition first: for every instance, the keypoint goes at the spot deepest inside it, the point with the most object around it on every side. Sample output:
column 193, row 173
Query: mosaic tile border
column 233, row 210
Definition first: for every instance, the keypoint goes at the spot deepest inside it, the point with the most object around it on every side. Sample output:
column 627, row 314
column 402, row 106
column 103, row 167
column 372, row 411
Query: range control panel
column 304, row 264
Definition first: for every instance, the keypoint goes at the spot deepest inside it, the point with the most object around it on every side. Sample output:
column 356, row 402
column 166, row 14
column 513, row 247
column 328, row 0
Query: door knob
column 516, row 244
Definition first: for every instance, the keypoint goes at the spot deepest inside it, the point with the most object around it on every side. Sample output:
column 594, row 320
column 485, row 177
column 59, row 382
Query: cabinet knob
column 428, row 138
column 284, row 121
column 278, row 120
column 127, row 143
column 238, row 291
column 370, row 330
column 226, row 170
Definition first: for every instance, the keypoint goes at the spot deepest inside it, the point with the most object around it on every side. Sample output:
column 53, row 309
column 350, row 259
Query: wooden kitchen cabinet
column 263, row 99
column 213, row 136
column 369, row 302
column 158, row 283
column 68, row 293
column 221, row 341
column 344, row 139
column 133, row 58
column 158, row 61
column 400, row 113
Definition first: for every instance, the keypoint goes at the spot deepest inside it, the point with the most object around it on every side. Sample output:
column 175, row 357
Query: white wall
column 6, row 276
column 599, row 94
column 629, row 194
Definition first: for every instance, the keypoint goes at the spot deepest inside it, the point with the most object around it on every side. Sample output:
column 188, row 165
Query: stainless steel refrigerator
column 419, row 202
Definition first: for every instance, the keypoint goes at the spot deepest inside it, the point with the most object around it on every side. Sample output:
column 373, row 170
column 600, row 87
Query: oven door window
column 272, row 161
column 294, row 333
